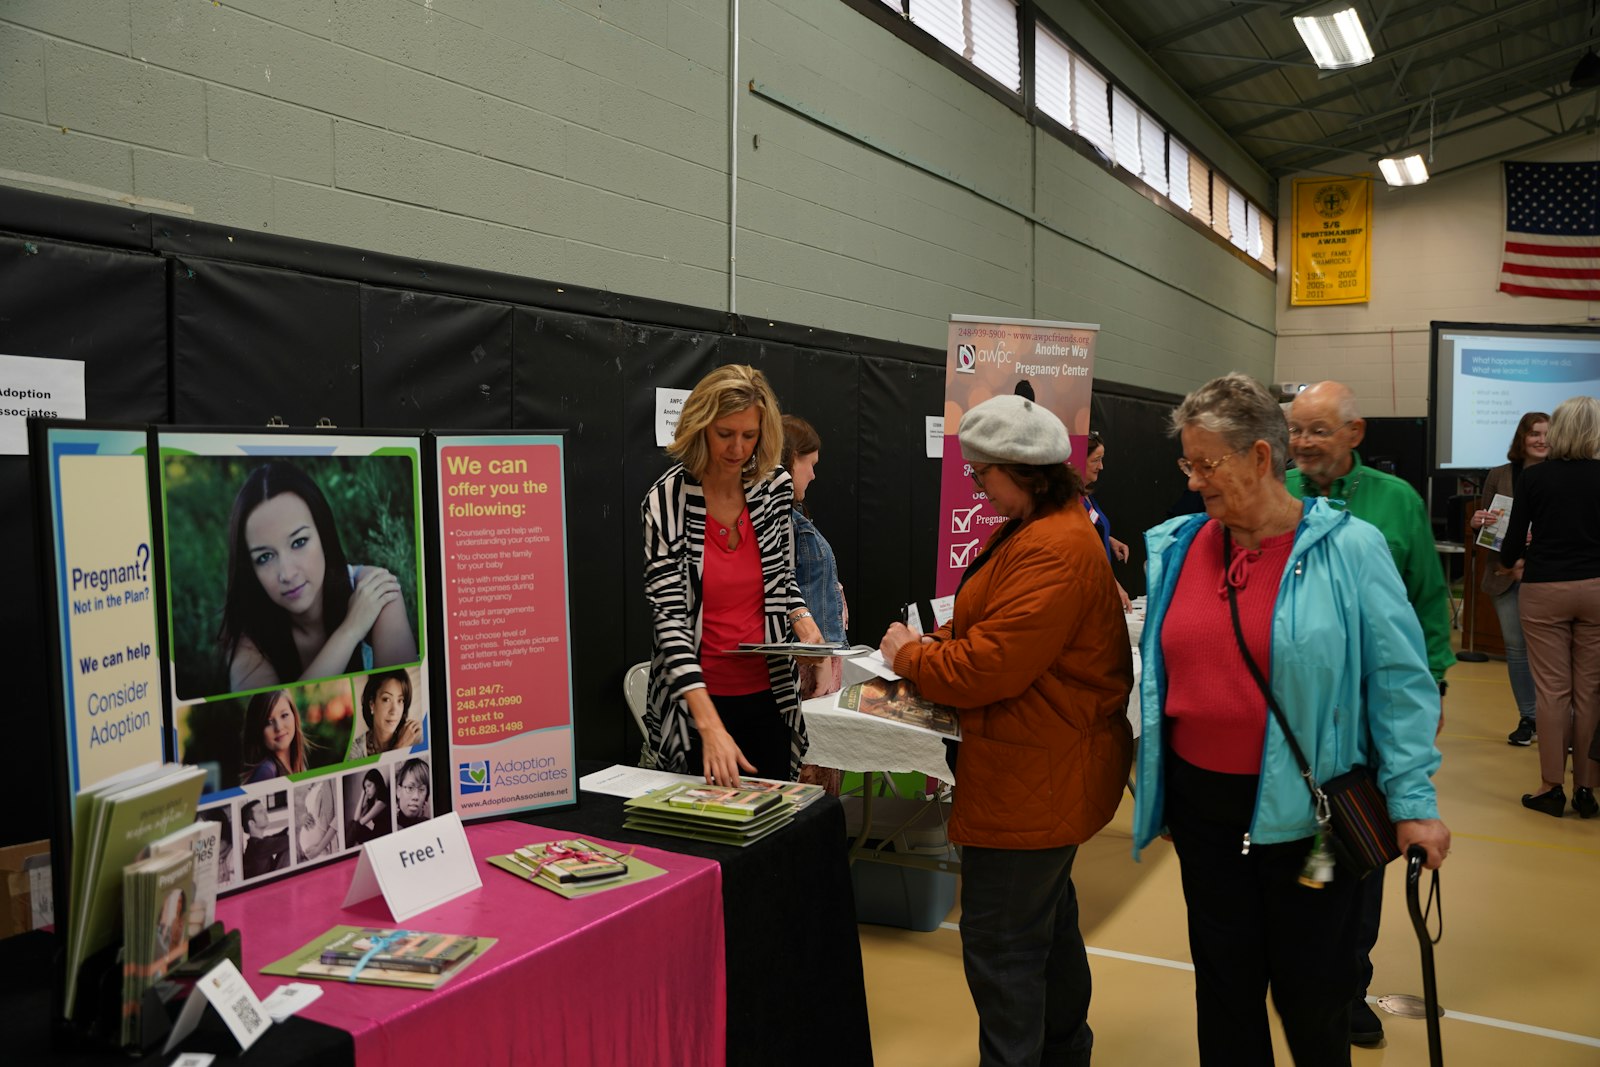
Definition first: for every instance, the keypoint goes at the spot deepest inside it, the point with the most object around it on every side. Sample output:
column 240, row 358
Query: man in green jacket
column 1324, row 429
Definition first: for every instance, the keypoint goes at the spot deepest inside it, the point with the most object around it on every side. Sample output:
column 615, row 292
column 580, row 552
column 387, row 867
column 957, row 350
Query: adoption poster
column 507, row 641
column 1050, row 363
column 99, row 490
column 1332, row 241
column 295, row 594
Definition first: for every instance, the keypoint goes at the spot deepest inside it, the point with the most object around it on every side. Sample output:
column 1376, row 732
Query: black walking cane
column 1415, row 856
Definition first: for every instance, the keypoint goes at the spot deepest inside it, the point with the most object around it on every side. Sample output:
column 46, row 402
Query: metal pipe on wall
column 733, row 156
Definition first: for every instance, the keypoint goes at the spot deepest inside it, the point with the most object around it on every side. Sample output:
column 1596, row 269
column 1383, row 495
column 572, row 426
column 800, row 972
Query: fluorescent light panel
column 1335, row 38
column 1407, row 170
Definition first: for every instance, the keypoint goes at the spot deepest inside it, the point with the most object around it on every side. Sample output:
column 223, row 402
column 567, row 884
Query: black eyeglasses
column 1317, row 433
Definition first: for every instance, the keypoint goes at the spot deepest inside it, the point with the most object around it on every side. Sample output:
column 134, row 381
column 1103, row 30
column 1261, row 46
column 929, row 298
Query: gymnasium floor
column 1518, row 968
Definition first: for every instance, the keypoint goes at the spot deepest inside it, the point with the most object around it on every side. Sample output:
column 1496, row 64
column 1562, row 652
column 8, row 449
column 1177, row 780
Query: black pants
column 1253, row 927
column 1024, row 956
column 757, row 728
column 1367, row 937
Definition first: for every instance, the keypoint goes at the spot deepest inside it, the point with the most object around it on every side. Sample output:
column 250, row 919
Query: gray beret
column 1013, row 429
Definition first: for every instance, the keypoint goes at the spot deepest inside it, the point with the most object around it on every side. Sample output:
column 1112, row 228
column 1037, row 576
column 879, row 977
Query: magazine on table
column 898, row 702
column 391, row 957
column 800, row 648
column 575, row 867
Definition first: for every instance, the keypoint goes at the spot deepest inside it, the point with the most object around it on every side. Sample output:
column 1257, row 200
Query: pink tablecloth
column 633, row 975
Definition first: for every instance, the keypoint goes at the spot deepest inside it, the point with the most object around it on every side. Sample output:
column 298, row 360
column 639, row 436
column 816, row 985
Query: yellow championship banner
column 1332, row 241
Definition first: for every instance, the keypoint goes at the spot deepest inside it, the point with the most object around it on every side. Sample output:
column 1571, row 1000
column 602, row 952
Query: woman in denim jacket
column 814, row 565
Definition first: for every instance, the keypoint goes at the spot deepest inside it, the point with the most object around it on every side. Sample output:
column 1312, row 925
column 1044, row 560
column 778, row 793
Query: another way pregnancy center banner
column 1050, row 363
column 508, row 658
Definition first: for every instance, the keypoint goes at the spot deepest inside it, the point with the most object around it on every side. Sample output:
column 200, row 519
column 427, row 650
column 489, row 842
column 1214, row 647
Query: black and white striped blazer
column 674, row 516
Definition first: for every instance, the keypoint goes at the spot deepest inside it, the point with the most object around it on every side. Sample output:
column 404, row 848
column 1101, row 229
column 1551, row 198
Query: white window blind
column 1238, row 224
column 983, row 32
column 1152, row 153
column 1252, row 230
column 1178, row 167
column 1090, row 115
column 1124, row 132
column 996, row 48
column 1052, row 77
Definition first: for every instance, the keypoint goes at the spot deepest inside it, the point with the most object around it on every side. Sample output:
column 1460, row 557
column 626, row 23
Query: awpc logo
column 474, row 776
column 966, row 359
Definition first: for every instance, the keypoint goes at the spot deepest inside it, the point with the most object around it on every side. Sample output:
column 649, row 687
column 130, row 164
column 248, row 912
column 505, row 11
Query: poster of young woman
column 97, row 497
column 1050, row 363
column 296, row 596
column 506, row 637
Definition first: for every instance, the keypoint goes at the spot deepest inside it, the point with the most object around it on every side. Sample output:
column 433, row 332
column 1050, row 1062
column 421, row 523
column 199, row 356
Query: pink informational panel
column 632, row 975
column 508, row 664
column 1051, row 363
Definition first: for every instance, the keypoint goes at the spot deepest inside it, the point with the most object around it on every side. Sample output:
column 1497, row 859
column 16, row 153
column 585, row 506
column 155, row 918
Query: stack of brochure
column 575, row 868
column 156, row 895
column 113, row 823
column 722, row 814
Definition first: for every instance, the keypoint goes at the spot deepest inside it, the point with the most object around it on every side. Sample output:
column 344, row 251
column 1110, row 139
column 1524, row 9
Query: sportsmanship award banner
column 1332, row 241
column 507, row 648
column 1050, row 363
column 99, row 500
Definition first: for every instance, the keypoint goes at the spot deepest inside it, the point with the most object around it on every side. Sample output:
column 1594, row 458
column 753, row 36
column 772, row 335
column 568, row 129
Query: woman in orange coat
column 1036, row 656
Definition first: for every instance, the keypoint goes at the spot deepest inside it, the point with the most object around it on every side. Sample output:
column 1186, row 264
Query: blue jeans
column 1025, row 961
column 1505, row 607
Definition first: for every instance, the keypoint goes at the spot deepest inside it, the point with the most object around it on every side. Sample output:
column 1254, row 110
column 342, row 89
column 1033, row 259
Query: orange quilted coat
column 1037, row 657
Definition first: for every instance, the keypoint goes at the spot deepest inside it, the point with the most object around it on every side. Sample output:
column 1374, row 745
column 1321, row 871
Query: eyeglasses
column 979, row 473
column 1317, row 433
column 1204, row 468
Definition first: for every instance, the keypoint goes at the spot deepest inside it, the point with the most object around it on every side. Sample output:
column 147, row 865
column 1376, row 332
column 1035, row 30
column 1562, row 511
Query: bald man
column 1325, row 427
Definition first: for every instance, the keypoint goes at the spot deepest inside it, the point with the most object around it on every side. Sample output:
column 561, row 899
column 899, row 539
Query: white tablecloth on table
column 852, row 741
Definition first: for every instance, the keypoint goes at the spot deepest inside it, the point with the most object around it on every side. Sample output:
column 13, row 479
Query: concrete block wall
column 1435, row 257
column 587, row 141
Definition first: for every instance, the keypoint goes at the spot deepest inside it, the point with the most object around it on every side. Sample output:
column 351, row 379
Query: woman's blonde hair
column 728, row 391
column 1575, row 429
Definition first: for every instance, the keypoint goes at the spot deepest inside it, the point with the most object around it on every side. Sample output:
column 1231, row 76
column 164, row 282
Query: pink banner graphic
column 1050, row 363
column 507, row 651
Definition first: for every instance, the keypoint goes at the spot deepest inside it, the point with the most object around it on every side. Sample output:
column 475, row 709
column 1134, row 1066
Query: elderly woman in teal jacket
column 1325, row 618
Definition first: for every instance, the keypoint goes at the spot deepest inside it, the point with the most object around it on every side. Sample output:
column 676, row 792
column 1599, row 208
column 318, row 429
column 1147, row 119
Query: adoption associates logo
column 474, row 776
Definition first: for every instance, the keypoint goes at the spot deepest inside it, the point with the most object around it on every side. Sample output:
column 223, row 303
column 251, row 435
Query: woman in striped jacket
column 719, row 570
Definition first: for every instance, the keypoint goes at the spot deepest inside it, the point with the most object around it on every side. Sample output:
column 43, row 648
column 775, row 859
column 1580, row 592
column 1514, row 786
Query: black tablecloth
column 795, row 987
column 25, row 1007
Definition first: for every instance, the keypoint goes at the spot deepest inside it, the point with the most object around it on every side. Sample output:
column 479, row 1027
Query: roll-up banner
column 1050, row 363
column 507, row 640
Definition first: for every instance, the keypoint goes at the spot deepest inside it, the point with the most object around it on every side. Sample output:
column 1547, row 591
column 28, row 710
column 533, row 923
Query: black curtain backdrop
column 189, row 323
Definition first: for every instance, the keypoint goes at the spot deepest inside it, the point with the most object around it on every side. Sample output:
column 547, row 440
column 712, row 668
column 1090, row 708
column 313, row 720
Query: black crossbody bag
column 1350, row 809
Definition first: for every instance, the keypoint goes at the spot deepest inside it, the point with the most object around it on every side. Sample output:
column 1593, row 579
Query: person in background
column 814, row 565
column 1036, row 658
column 263, row 852
column 1325, row 427
column 370, row 818
column 386, row 709
column 1560, row 601
column 719, row 571
column 1528, row 447
column 318, row 834
column 1117, row 552
column 1325, row 618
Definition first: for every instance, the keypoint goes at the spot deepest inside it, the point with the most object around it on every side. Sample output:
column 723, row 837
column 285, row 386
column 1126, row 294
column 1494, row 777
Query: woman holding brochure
column 1036, row 657
column 1528, row 447
column 1560, row 602
column 719, row 572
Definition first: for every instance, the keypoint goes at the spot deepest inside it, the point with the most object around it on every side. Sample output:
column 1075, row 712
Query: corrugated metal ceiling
column 1447, row 65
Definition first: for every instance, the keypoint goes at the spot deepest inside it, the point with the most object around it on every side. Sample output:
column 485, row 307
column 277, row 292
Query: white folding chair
column 635, row 683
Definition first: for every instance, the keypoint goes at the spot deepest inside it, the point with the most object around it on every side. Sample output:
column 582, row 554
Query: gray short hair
column 1240, row 409
column 1575, row 429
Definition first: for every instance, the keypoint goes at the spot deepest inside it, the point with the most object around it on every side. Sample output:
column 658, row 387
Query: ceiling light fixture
column 1334, row 34
column 1404, row 170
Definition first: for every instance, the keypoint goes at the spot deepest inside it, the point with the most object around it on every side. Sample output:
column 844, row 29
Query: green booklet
column 399, row 950
column 716, row 833
column 119, row 824
column 530, row 864
column 307, row 960
column 156, row 898
column 712, row 803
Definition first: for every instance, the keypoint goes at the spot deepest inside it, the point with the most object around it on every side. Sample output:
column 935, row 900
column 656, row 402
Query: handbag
column 1351, row 810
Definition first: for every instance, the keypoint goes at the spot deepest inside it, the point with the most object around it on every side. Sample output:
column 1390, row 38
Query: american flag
column 1552, row 230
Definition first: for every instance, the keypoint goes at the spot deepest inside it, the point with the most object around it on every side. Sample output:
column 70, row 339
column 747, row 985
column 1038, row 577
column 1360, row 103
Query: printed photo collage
column 294, row 568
